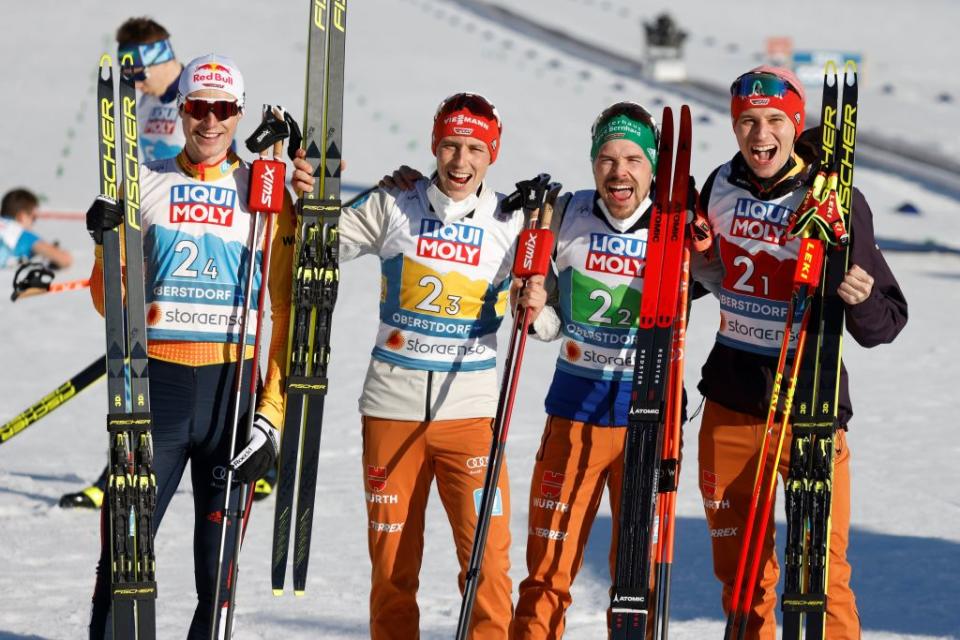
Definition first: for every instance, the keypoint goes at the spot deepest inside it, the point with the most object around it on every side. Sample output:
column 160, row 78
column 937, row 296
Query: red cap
column 470, row 115
column 792, row 102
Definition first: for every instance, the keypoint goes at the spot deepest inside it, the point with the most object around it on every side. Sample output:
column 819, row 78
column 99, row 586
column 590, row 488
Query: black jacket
column 742, row 381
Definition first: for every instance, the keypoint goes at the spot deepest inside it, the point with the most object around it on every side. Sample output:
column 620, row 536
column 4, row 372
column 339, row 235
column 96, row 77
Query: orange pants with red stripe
column 575, row 461
column 729, row 451
column 400, row 461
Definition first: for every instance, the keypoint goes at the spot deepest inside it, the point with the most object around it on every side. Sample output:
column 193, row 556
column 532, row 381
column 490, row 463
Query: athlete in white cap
column 196, row 229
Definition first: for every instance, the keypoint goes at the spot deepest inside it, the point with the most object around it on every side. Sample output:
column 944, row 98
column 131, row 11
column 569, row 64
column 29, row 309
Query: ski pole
column 805, row 281
column 668, row 504
column 266, row 198
column 534, row 249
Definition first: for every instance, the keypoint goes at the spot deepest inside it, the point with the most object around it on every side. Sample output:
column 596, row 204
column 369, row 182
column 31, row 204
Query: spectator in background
column 18, row 243
column 156, row 72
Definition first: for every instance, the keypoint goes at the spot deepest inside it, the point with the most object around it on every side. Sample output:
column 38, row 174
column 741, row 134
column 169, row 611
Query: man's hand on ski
column 533, row 296
column 404, row 179
column 856, row 287
column 302, row 179
column 105, row 214
column 260, row 454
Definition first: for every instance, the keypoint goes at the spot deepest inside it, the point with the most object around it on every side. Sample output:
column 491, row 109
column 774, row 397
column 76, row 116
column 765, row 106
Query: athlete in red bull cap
column 748, row 202
column 196, row 229
column 156, row 73
column 446, row 250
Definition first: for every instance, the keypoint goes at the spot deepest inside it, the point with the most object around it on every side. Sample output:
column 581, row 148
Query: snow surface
column 403, row 57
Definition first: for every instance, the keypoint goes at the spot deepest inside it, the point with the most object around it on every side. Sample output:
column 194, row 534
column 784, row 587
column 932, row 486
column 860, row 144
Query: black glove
column 105, row 214
column 260, row 454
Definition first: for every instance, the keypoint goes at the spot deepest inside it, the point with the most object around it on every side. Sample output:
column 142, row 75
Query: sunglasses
column 198, row 108
column 135, row 74
column 761, row 84
column 633, row 111
column 472, row 102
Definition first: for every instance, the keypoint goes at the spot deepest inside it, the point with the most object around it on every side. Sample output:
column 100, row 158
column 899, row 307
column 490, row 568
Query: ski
column 809, row 483
column 534, row 249
column 131, row 482
column 316, row 278
column 56, row 398
column 630, row 597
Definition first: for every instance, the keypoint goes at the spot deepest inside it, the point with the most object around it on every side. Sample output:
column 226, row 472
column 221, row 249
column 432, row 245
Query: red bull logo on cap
column 214, row 74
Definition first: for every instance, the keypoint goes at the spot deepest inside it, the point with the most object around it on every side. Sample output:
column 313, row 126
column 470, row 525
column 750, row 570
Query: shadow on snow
column 903, row 584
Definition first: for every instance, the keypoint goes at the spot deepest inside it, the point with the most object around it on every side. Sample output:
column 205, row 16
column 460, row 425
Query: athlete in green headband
column 633, row 124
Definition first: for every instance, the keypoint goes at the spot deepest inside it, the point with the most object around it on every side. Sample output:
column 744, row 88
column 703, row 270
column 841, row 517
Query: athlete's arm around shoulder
column 362, row 226
column 876, row 309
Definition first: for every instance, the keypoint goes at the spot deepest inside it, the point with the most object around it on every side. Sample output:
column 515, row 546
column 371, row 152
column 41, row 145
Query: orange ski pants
column 400, row 461
column 729, row 450
column 575, row 461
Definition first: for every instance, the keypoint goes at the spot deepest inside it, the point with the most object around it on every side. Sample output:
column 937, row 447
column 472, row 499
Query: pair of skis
column 651, row 450
column 815, row 313
column 808, row 489
column 131, row 482
column 316, row 278
column 534, row 249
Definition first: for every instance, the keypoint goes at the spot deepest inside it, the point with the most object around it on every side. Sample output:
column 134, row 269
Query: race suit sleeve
column 363, row 228
column 547, row 325
column 879, row 318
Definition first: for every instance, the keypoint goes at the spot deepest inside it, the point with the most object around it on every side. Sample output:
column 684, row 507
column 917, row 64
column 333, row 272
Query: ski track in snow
column 905, row 543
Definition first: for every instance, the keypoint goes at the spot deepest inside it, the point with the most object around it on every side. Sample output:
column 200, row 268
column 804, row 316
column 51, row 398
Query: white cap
column 211, row 71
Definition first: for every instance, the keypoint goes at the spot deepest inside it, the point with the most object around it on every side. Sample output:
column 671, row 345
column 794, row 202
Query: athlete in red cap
column 750, row 270
column 445, row 249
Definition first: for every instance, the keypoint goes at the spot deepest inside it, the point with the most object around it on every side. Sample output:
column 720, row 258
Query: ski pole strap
column 820, row 213
column 273, row 128
column 529, row 195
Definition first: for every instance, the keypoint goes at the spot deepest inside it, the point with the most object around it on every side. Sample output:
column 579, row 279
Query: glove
column 260, row 454
column 105, row 214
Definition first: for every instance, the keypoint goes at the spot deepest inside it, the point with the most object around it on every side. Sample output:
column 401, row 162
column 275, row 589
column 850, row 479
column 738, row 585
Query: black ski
column 131, row 482
column 809, row 484
column 630, row 597
column 315, row 282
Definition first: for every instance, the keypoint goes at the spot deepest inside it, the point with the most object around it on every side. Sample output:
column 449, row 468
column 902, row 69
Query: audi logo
column 477, row 463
